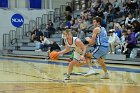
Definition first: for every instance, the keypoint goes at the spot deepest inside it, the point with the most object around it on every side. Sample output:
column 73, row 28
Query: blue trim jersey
column 102, row 38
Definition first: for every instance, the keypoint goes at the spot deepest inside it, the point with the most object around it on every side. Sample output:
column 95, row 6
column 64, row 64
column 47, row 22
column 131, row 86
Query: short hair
column 98, row 19
column 67, row 31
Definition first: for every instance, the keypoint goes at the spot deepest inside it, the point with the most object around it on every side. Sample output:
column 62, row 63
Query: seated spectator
column 81, row 35
column 116, row 6
column 118, row 29
column 68, row 24
column 111, row 14
column 49, row 29
column 100, row 13
column 122, row 22
column 107, row 4
column 114, row 41
column 123, row 41
column 131, row 6
column 55, row 47
column 44, row 43
column 129, row 20
column 131, row 41
column 136, row 26
column 76, row 25
column 68, row 8
column 68, row 17
column 35, row 34
column 83, row 25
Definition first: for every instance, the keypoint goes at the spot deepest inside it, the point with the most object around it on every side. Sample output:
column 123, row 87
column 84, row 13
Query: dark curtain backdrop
column 4, row 3
column 35, row 4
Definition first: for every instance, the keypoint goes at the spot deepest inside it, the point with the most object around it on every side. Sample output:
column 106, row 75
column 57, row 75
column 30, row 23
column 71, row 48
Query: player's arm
column 96, row 31
column 66, row 50
column 80, row 44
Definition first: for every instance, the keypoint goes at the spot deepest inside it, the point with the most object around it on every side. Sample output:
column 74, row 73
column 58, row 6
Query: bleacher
column 18, row 44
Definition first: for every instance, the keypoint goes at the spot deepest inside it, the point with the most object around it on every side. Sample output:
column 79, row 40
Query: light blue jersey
column 102, row 45
column 102, row 39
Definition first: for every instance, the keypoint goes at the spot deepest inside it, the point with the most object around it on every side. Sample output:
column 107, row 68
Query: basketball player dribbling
column 79, row 53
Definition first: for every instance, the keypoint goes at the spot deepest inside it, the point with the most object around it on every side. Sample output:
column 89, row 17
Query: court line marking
column 66, row 64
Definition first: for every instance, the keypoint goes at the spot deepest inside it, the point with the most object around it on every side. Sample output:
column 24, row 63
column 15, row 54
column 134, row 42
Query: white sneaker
column 105, row 76
column 67, row 77
column 90, row 72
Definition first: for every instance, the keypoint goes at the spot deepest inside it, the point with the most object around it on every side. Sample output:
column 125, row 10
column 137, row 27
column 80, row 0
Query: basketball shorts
column 100, row 51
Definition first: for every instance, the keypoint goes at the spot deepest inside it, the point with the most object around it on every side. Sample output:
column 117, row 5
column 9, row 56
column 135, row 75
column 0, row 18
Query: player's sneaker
column 90, row 72
column 105, row 76
column 67, row 77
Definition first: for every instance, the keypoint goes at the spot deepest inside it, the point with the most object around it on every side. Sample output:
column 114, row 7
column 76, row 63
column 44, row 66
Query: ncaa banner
column 17, row 20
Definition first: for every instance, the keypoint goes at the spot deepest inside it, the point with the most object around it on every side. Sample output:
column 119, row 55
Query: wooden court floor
column 20, row 75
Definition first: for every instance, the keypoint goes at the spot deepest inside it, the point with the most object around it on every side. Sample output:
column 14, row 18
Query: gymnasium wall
column 57, row 3
column 21, row 7
column 5, row 19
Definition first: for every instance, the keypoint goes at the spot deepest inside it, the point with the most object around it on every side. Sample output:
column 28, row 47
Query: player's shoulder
column 78, row 39
column 97, row 28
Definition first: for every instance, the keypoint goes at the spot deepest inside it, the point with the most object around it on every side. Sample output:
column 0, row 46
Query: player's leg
column 91, row 71
column 75, row 62
column 103, row 65
column 99, row 53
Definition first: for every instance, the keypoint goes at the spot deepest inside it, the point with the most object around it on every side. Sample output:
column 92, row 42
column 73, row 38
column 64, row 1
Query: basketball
column 54, row 55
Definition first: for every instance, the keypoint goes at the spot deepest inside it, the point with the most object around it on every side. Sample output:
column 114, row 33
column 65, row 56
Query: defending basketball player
column 100, row 41
column 79, row 53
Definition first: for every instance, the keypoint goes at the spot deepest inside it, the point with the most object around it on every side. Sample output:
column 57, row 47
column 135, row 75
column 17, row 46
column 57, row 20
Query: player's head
column 67, row 33
column 97, row 21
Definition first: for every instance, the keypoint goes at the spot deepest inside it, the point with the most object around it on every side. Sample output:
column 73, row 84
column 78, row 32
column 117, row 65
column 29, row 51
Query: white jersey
column 73, row 45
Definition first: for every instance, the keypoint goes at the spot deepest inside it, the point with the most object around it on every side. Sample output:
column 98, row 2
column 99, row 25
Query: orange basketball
column 54, row 55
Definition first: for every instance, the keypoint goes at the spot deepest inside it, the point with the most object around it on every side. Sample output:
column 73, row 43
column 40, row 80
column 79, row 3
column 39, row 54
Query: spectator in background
column 68, row 17
column 68, row 24
column 44, row 43
column 136, row 26
column 123, row 41
column 131, row 5
column 76, row 25
column 111, row 13
column 81, row 35
column 122, row 22
column 116, row 6
column 114, row 41
column 131, row 41
column 36, row 34
column 118, row 29
column 55, row 47
column 83, row 25
column 94, row 5
column 108, row 3
column 68, row 8
column 129, row 20
column 49, row 29
column 99, row 13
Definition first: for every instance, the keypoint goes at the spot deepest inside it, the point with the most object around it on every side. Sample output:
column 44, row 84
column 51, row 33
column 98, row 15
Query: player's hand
column 82, row 58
